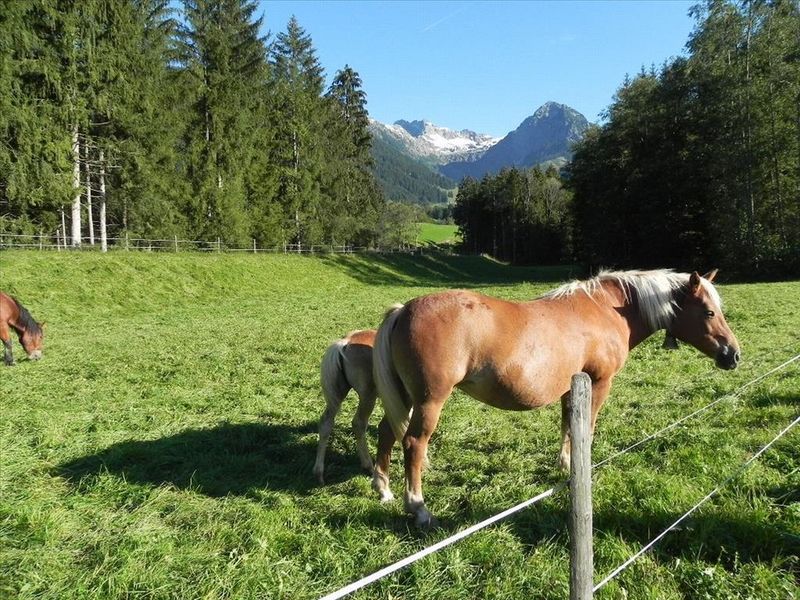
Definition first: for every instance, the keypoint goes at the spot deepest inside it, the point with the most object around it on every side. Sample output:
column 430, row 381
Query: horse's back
column 357, row 356
column 507, row 354
column 8, row 308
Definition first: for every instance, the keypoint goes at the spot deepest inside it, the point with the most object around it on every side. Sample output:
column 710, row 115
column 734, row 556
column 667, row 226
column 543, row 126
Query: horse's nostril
column 736, row 356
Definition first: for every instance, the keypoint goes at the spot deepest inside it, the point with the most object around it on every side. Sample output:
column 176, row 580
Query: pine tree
column 224, row 60
column 297, row 86
column 351, row 197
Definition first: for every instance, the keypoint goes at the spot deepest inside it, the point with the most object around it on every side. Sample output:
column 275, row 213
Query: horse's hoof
column 386, row 496
column 426, row 521
column 319, row 475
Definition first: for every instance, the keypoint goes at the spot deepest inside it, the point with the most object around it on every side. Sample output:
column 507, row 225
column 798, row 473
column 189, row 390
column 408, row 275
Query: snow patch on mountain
column 432, row 143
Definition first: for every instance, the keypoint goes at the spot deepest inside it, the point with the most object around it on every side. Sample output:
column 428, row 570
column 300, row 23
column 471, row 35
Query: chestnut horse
column 346, row 365
column 15, row 316
column 519, row 356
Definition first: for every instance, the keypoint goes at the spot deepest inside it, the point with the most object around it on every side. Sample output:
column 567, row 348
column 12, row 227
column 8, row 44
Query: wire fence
column 59, row 243
column 356, row 585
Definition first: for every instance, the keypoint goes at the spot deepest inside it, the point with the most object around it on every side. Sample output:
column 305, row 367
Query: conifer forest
column 160, row 119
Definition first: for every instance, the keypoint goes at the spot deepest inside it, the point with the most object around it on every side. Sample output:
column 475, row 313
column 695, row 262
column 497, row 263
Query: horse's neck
column 628, row 308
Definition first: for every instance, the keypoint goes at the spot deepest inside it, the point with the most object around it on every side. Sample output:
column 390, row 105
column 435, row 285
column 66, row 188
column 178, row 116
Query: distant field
column 163, row 447
column 436, row 233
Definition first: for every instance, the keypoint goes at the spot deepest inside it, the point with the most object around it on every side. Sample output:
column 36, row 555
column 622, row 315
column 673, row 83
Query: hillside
column 404, row 179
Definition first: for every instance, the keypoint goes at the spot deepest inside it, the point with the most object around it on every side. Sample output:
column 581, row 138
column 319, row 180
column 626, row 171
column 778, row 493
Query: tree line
column 160, row 121
column 521, row 216
column 697, row 164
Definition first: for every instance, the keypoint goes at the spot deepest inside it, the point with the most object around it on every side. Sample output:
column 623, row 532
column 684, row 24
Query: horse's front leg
column 8, row 358
column 600, row 390
column 380, row 472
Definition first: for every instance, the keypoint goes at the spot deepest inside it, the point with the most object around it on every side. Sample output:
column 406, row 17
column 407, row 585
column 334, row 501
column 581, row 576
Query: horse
column 346, row 365
column 522, row 355
column 15, row 316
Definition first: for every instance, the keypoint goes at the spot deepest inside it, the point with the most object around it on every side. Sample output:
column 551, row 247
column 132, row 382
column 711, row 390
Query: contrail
column 443, row 19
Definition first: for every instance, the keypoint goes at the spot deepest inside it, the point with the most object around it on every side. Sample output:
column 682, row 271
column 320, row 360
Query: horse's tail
column 396, row 404
column 334, row 381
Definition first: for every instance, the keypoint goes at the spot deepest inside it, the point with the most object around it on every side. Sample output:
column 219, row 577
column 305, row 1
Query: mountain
column 417, row 161
column 544, row 137
column 406, row 179
column 432, row 144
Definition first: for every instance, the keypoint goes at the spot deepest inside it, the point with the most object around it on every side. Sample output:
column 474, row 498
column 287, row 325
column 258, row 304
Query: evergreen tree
column 351, row 197
column 300, row 116
column 224, row 60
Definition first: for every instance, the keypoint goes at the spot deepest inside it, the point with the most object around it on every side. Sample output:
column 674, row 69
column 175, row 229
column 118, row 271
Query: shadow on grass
column 713, row 538
column 439, row 269
column 228, row 459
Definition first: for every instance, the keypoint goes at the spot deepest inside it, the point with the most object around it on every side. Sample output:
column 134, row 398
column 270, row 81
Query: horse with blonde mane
column 522, row 355
column 346, row 365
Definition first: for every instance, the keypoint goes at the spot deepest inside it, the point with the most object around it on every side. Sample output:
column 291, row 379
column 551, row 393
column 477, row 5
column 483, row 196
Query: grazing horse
column 519, row 356
column 15, row 316
column 346, row 365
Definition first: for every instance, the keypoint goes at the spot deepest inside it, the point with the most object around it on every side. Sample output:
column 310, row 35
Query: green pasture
column 163, row 447
column 438, row 233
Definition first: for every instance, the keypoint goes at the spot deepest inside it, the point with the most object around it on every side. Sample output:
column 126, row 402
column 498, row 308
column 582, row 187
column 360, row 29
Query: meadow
column 438, row 233
column 163, row 447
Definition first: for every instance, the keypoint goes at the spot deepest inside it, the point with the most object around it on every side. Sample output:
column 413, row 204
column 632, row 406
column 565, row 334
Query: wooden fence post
column 580, row 523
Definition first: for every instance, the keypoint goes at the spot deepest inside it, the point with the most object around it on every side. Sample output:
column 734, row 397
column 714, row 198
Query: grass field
column 163, row 447
column 437, row 233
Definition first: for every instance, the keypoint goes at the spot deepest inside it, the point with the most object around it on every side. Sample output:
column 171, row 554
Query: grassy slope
column 164, row 446
column 437, row 233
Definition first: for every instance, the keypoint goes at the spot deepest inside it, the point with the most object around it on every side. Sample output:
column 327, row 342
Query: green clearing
column 163, row 447
column 437, row 233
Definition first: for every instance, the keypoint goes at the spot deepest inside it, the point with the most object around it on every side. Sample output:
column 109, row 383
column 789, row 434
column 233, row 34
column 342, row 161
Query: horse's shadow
column 227, row 459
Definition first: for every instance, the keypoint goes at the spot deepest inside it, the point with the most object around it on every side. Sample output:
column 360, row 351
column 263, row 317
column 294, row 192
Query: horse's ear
column 710, row 275
column 694, row 282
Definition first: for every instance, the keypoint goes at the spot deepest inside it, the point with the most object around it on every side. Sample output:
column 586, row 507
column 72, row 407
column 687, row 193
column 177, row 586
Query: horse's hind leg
column 5, row 336
column 334, row 403
column 415, row 450
column 380, row 473
column 366, row 404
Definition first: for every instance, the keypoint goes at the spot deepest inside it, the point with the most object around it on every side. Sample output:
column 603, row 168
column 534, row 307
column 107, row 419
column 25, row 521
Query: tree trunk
column 103, row 232
column 90, row 216
column 76, row 185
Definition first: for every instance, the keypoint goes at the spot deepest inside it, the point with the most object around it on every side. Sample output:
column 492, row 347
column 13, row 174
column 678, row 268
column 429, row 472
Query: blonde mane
column 653, row 290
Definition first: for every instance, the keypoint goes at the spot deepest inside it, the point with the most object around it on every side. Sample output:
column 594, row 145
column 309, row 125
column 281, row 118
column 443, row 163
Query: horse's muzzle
column 35, row 355
column 728, row 357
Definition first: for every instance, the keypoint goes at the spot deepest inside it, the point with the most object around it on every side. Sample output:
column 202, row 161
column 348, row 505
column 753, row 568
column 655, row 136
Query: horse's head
column 32, row 340
column 700, row 322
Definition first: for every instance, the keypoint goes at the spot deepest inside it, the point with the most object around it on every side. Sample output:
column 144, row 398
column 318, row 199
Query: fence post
column 581, row 567
column 176, row 243
column 254, row 245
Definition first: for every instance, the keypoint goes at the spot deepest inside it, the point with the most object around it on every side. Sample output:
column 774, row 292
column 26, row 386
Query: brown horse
column 15, row 316
column 346, row 365
column 519, row 356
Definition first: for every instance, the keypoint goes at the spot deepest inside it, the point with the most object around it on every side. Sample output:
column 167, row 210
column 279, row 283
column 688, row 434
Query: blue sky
column 486, row 66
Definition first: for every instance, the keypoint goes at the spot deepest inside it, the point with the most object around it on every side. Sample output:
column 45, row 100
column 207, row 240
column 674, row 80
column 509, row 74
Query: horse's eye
column 709, row 314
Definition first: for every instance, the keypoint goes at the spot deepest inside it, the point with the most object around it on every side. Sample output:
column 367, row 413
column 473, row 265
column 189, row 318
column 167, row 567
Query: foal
column 519, row 356
column 346, row 365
